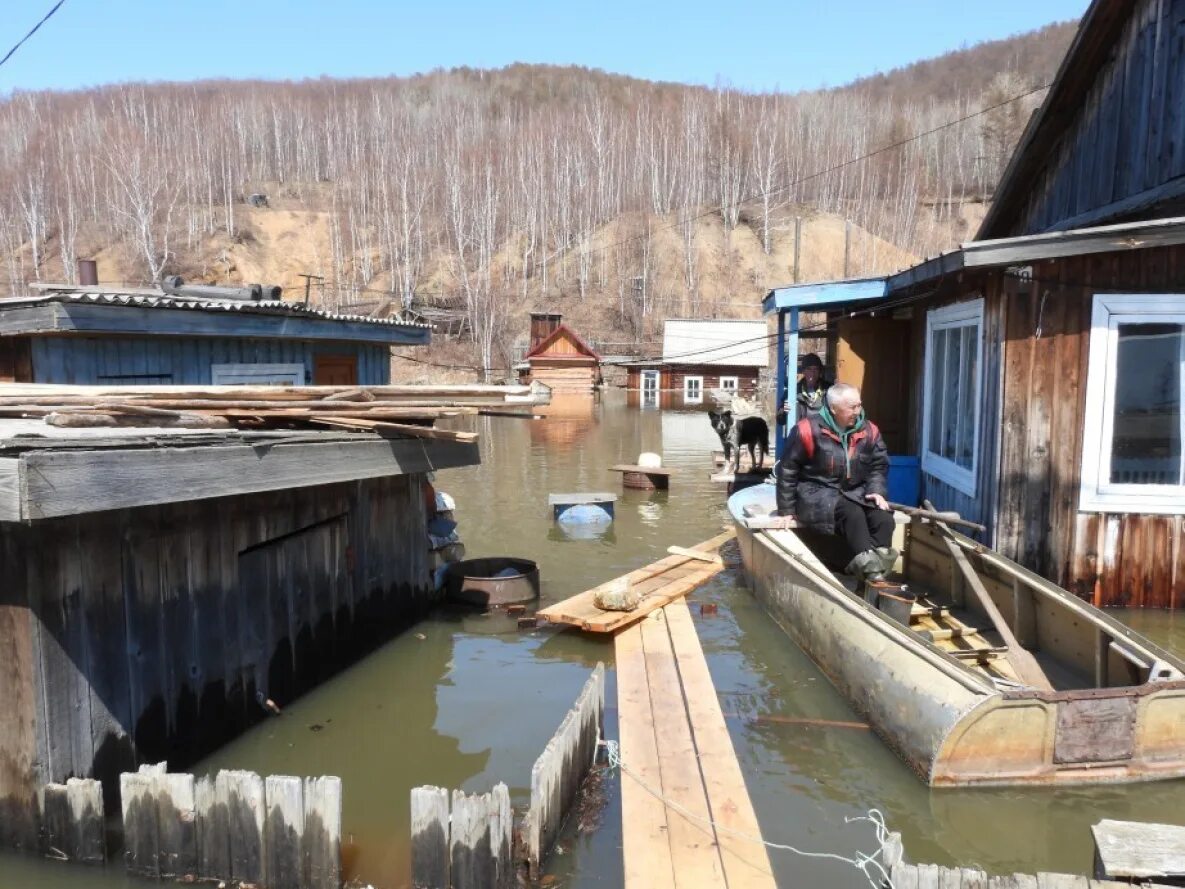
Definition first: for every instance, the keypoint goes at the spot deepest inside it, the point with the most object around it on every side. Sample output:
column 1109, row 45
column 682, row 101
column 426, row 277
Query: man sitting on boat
column 833, row 479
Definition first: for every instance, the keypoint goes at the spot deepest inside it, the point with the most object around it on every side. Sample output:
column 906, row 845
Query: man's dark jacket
column 813, row 474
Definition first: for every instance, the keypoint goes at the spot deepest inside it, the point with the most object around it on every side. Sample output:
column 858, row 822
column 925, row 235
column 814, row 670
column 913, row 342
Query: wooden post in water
column 561, row 768
column 322, row 840
column 283, row 827
column 72, row 821
column 242, row 795
column 429, row 838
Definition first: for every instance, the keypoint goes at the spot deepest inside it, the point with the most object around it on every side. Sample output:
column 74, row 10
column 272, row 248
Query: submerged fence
column 468, row 842
column 277, row 832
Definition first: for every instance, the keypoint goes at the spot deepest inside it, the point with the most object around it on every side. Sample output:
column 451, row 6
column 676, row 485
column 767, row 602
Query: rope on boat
column 867, row 863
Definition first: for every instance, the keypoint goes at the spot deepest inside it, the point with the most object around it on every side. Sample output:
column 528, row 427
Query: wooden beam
column 69, row 482
column 396, row 428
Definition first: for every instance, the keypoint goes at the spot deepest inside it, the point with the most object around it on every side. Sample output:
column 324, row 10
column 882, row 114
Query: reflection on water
column 465, row 700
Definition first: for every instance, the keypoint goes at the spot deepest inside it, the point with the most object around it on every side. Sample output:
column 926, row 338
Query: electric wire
column 45, row 18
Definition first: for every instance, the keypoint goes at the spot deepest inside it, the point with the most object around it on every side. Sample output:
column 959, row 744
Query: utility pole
column 308, row 284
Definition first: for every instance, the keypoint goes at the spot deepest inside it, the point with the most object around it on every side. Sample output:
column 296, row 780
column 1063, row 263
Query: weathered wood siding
column 564, row 376
column 1112, row 559
column 186, row 361
column 1122, row 149
column 158, row 633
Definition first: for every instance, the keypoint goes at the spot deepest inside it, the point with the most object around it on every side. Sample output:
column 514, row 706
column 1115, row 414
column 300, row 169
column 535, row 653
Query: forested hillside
column 622, row 200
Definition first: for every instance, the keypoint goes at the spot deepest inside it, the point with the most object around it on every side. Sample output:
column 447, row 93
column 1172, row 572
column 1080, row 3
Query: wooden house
column 558, row 357
column 99, row 335
column 701, row 355
column 1038, row 371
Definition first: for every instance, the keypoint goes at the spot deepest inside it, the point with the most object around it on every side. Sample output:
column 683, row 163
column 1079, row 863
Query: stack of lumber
column 387, row 410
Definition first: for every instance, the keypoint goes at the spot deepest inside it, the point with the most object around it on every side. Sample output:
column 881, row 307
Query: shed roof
column 736, row 343
column 584, row 350
column 108, row 310
column 996, row 253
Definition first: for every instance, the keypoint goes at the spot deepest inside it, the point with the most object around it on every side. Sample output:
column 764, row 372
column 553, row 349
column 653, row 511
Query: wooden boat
column 1000, row 677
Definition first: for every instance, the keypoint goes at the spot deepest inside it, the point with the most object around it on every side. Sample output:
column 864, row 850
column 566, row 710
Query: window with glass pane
column 1147, row 430
column 953, row 369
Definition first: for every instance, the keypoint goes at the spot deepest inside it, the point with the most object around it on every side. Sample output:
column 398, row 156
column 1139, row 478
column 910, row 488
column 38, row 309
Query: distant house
column 1038, row 372
column 99, row 335
column 559, row 357
column 701, row 355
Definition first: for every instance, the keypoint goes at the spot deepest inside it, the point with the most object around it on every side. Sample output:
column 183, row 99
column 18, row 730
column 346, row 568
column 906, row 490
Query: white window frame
column 688, row 398
column 1097, row 494
column 734, row 388
column 650, row 376
column 257, row 374
column 963, row 314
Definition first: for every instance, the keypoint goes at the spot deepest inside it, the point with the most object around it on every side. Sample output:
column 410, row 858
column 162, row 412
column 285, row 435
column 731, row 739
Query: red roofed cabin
column 559, row 358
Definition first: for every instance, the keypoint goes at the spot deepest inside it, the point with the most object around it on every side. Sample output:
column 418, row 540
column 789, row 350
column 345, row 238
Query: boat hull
column 945, row 720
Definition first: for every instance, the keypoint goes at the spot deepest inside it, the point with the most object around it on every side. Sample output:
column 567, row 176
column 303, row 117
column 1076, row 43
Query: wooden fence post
column 242, row 795
column 141, row 841
column 322, row 833
column 177, row 827
column 72, row 821
column 213, row 838
column 429, row 838
column 561, row 768
column 282, row 830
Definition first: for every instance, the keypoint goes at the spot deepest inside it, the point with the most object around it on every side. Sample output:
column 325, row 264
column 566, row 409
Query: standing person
column 811, row 388
column 833, row 479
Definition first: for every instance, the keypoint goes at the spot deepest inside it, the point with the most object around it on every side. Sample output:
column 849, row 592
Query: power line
column 45, row 18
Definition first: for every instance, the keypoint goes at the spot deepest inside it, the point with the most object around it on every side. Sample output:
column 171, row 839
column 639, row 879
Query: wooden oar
column 1022, row 660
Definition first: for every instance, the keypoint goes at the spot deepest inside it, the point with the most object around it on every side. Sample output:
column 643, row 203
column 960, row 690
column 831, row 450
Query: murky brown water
column 465, row 701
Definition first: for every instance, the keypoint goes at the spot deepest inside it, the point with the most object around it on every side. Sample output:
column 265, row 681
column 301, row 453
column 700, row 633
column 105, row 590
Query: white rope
column 867, row 864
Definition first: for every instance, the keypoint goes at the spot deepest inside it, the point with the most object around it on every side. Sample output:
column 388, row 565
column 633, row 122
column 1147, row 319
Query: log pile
column 398, row 411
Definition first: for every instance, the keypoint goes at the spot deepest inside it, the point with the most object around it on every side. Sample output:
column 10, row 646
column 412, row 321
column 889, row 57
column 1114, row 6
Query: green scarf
column 844, row 434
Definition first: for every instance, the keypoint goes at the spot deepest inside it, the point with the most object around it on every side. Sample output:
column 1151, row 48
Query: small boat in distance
column 998, row 677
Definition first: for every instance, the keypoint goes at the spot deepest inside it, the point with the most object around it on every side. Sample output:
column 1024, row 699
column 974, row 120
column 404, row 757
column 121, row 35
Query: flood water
column 464, row 701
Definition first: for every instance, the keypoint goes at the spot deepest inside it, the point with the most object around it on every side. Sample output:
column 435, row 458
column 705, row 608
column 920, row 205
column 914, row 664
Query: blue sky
column 756, row 44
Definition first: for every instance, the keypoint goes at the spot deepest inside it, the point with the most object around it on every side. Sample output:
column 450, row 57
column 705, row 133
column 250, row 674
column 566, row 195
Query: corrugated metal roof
column 731, row 342
column 149, row 300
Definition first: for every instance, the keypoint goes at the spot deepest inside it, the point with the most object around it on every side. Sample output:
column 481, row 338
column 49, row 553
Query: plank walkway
column 675, row 742
column 658, row 583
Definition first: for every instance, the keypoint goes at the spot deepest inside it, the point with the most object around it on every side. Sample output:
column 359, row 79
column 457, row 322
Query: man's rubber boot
column 888, row 558
column 866, row 566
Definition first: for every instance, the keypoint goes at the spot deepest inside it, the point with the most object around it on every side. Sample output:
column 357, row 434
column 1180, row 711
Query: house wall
column 156, row 633
column 1125, row 140
column 1036, row 360
column 671, row 377
column 563, row 376
column 186, row 361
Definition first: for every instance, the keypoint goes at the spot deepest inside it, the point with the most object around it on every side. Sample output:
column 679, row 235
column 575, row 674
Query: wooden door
column 873, row 355
column 16, row 360
column 335, row 370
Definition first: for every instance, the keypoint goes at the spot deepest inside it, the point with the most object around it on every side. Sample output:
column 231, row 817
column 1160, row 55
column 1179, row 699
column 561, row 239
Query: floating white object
column 649, row 460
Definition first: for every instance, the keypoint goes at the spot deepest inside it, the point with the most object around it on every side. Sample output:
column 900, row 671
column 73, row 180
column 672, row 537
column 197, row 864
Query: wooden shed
column 100, row 335
column 560, row 358
column 1046, row 359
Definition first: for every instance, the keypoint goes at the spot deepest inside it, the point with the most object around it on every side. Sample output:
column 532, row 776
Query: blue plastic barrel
column 905, row 479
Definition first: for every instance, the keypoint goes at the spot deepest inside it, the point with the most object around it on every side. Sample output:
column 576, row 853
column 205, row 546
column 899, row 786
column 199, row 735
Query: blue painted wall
column 186, row 361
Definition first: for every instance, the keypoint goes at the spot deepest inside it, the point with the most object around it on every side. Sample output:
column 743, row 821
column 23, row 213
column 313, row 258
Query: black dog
column 750, row 432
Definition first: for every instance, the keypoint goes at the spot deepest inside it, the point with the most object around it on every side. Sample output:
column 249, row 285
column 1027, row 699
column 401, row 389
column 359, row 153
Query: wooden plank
column 382, row 427
column 141, row 841
column 694, row 847
column 242, row 794
column 695, row 554
column 176, row 826
column 1136, row 850
column 430, row 841
column 746, row 861
column 282, row 831
column 646, row 848
column 71, row 482
column 321, row 841
column 472, row 866
column 501, row 837
column 213, row 839
column 659, row 583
